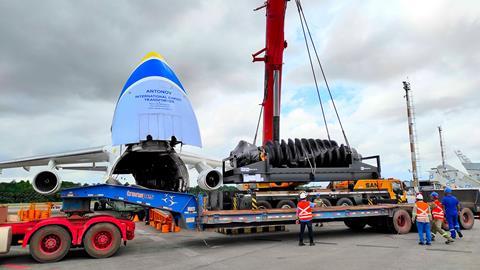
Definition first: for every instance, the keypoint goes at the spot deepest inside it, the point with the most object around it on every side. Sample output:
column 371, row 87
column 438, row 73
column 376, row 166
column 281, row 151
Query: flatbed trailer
column 189, row 211
column 50, row 239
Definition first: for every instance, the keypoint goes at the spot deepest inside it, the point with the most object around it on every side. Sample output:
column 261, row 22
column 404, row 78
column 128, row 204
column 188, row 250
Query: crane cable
column 258, row 124
column 265, row 92
column 302, row 21
column 313, row 70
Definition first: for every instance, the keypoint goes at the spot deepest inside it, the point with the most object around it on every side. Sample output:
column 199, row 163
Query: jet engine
column 208, row 178
column 46, row 182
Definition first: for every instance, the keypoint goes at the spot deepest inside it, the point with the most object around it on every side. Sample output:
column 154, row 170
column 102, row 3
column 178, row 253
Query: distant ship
column 450, row 176
column 473, row 168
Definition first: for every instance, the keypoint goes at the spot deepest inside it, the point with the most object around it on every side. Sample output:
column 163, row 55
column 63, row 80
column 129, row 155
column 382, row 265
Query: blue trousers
column 424, row 228
column 453, row 225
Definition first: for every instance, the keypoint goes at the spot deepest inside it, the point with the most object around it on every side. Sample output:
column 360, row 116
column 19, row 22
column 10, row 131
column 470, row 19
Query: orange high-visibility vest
column 437, row 212
column 422, row 211
column 304, row 211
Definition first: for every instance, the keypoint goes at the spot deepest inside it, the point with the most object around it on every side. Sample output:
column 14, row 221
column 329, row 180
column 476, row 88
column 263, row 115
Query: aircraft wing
column 192, row 159
column 90, row 155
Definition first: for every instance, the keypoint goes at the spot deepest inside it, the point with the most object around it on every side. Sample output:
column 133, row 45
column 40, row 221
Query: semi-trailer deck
column 189, row 211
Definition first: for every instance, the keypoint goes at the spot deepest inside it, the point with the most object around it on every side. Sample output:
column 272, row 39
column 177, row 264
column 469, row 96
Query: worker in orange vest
column 304, row 217
column 421, row 213
column 438, row 218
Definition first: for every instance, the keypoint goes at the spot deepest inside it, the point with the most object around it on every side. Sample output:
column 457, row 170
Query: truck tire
column 50, row 244
column 344, row 202
column 466, row 218
column 264, row 205
column 401, row 222
column 326, row 202
column 102, row 240
column 355, row 224
column 245, row 203
column 215, row 200
column 286, row 204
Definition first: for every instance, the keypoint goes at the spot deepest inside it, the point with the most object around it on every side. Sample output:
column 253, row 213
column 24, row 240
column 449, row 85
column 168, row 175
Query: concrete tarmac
column 336, row 248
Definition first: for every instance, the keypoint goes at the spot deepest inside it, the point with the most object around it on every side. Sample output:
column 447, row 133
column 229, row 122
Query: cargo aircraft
column 153, row 114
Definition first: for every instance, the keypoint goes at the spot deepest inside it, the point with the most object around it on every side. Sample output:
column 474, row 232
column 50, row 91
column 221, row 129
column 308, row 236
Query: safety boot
column 301, row 243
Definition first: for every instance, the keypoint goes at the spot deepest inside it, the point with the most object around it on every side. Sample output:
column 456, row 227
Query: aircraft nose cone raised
column 153, row 55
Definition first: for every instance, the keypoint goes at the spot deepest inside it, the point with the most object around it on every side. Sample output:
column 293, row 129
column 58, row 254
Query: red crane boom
column 273, row 58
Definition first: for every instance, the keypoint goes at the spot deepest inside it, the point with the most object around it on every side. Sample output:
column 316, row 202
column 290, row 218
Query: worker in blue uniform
column 452, row 207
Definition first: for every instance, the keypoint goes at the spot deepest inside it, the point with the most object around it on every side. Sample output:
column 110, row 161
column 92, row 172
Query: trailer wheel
column 214, row 200
column 355, row 224
column 326, row 203
column 286, row 204
column 50, row 244
column 264, row 205
column 344, row 202
column 466, row 218
column 102, row 240
column 401, row 221
column 245, row 203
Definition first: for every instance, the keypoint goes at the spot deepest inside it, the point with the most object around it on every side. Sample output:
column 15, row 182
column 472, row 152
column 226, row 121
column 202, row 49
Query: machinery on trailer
column 346, row 193
column 50, row 239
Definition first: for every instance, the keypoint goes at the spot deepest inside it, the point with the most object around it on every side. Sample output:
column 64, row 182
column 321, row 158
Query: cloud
column 62, row 68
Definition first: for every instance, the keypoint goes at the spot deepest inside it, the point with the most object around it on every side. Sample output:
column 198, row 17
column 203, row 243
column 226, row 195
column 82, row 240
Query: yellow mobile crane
column 359, row 192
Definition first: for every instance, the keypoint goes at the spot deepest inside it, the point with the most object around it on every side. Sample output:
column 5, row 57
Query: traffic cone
column 135, row 218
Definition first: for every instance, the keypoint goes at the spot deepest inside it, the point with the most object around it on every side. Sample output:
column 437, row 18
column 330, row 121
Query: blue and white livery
column 154, row 103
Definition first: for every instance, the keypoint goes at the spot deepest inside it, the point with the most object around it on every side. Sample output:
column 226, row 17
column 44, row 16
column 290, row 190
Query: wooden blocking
column 250, row 230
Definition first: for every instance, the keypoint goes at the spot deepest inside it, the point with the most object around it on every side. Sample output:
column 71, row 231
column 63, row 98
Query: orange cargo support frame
column 163, row 221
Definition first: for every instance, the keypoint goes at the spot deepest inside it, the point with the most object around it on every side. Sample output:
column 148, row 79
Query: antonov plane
column 152, row 115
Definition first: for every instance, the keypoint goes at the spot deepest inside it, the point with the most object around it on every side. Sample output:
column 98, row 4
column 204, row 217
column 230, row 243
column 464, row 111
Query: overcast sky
column 63, row 64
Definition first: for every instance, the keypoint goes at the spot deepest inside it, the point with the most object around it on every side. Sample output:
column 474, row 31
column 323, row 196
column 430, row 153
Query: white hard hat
column 419, row 197
column 303, row 195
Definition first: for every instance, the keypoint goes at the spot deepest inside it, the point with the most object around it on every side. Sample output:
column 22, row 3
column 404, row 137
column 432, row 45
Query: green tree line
column 23, row 192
